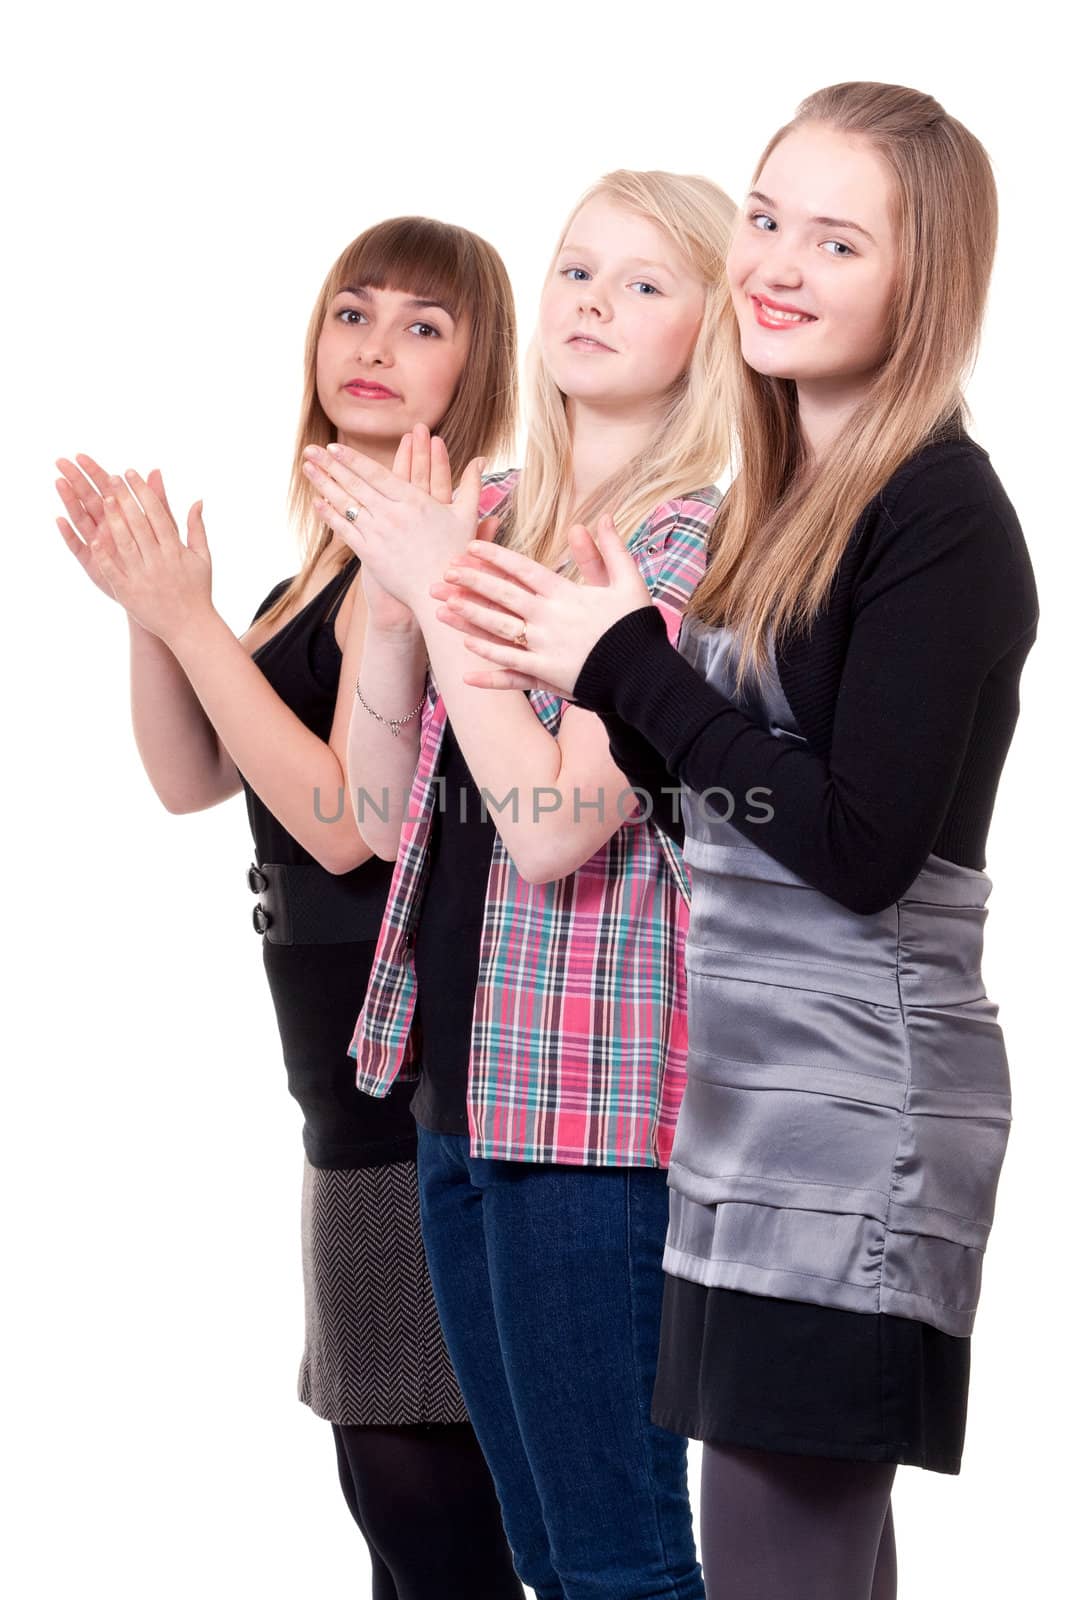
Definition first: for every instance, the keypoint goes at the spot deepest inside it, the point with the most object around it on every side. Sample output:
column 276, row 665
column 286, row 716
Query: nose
column 592, row 301
column 372, row 348
column 782, row 271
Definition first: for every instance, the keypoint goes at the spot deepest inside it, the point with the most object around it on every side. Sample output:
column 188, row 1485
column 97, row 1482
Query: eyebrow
column 825, row 222
column 412, row 304
column 636, row 261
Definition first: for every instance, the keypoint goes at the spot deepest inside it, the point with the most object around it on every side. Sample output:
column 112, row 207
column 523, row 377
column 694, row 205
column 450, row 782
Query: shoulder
column 944, row 519
column 945, row 496
column 275, row 594
column 688, row 517
column 678, row 531
column 944, row 474
column 671, row 545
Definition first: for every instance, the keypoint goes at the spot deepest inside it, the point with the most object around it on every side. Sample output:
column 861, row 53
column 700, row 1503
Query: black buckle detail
column 257, row 880
column 261, row 918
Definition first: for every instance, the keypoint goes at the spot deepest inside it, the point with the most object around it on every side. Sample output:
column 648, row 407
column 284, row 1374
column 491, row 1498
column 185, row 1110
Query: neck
column 381, row 450
column 824, row 408
column 604, row 439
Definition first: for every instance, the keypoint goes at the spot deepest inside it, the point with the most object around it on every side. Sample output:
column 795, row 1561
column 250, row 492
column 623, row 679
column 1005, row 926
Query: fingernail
column 452, row 574
column 334, row 449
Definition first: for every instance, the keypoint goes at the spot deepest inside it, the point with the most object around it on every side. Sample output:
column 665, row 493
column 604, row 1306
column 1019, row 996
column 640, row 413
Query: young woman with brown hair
column 413, row 326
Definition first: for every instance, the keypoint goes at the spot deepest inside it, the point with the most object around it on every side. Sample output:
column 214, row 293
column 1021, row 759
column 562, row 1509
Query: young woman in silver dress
column 836, row 714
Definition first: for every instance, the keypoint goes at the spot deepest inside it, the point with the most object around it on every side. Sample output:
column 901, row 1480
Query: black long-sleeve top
column 905, row 687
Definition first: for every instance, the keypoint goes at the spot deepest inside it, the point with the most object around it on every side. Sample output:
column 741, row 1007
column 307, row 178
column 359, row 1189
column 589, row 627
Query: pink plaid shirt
column 579, row 1026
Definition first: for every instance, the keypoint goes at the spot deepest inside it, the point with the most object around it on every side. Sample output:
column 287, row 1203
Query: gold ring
column 522, row 639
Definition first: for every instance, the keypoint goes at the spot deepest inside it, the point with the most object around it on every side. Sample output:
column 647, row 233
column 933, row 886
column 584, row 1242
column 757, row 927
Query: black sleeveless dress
column 374, row 1351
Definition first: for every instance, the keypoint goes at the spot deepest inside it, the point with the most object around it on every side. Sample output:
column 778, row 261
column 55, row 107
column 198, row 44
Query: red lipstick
column 774, row 314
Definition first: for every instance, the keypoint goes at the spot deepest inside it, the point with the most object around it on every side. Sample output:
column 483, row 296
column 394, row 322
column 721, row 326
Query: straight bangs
column 414, row 255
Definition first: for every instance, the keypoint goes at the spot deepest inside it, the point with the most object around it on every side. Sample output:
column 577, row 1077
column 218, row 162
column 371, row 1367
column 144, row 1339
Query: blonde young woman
column 838, row 714
column 413, row 326
column 529, row 972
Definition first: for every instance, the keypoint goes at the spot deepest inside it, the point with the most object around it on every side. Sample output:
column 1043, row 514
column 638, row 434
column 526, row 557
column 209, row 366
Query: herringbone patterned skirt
column 374, row 1351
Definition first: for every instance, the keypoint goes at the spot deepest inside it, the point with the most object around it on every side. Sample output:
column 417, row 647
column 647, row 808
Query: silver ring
column 351, row 513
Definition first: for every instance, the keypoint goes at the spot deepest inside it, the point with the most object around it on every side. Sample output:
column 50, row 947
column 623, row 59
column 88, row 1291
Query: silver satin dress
column 847, row 1104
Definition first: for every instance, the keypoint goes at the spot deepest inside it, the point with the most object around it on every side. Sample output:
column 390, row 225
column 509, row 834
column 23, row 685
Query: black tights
column 423, row 1499
column 786, row 1527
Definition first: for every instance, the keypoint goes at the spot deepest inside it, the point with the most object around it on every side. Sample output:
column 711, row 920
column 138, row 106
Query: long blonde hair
column 431, row 260
column 690, row 448
column 778, row 538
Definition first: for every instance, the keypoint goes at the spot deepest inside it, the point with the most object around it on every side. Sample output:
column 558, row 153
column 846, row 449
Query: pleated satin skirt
column 835, row 1164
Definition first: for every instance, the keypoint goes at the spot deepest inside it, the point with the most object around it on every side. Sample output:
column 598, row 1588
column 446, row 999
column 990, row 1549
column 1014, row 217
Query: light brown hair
column 431, row 260
column 780, row 533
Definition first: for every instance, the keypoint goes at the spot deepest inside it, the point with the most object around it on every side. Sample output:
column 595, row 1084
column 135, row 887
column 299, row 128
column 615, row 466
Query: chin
column 583, row 386
column 768, row 363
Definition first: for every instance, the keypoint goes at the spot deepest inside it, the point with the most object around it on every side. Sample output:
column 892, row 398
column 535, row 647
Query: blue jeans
column 549, row 1286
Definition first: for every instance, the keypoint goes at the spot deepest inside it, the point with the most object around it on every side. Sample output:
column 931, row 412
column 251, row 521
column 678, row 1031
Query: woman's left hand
column 160, row 581
column 405, row 535
column 561, row 621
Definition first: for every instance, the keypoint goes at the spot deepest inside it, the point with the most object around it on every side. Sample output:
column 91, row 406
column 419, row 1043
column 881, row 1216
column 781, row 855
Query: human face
column 812, row 264
column 620, row 311
column 385, row 361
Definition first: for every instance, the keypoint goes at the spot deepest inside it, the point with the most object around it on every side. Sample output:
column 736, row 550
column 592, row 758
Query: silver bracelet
column 395, row 724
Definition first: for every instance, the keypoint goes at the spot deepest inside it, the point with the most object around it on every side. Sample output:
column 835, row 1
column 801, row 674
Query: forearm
column 381, row 767
column 858, row 824
column 294, row 772
column 658, row 792
column 551, row 818
column 176, row 741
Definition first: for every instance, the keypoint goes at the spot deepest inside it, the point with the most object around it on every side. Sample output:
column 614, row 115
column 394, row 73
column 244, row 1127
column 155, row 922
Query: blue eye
column 757, row 217
column 641, row 283
column 566, row 271
column 839, row 246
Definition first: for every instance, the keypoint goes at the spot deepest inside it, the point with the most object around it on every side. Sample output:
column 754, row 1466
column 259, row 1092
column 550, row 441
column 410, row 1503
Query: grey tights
column 787, row 1527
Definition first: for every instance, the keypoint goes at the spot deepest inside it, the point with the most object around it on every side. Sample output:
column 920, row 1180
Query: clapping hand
column 536, row 628
column 404, row 532
column 125, row 538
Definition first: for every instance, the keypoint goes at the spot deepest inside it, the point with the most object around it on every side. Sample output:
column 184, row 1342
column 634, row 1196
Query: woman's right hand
column 423, row 461
column 82, row 492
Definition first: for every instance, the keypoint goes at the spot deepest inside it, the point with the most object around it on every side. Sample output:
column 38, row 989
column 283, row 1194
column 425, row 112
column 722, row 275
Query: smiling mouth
column 770, row 315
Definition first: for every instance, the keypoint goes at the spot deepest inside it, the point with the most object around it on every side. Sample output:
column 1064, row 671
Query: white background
column 177, row 184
